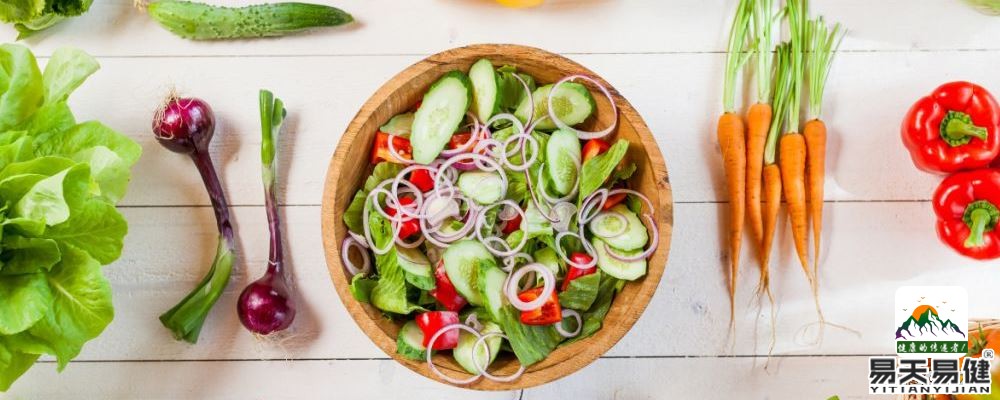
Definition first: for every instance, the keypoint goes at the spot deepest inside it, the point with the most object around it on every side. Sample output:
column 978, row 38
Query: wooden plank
column 649, row 378
column 115, row 28
column 872, row 249
column 864, row 140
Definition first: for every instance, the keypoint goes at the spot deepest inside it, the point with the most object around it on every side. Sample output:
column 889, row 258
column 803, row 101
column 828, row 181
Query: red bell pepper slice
column 614, row 200
column 593, row 148
column 511, row 225
column 444, row 291
column 380, row 150
column 432, row 321
column 548, row 314
column 967, row 205
column 574, row 272
column 422, row 179
column 955, row 128
column 410, row 226
column 459, row 140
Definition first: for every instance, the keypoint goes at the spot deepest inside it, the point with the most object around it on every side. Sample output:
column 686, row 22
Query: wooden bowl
column 349, row 168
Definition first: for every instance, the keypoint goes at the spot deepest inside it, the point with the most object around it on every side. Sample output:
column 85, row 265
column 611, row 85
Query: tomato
column 614, row 200
column 574, row 272
column 593, row 148
column 410, row 226
column 459, row 140
column 421, row 178
column 511, row 225
column 380, row 150
column 432, row 321
column 445, row 292
column 549, row 313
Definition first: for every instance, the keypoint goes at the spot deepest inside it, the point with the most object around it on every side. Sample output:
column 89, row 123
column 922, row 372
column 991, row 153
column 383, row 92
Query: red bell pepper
column 444, row 291
column 548, row 314
column 574, row 272
column 593, row 148
column 511, row 225
column 614, row 200
column 459, row 140
column 422, row 179
column 380, row 150
column 432, row 321
column 955, row 128
column 410, row 226
column 967, row 205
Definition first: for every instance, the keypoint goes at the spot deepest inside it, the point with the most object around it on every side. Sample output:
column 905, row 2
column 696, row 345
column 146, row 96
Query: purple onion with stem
column 266, row 306
column 186, row 126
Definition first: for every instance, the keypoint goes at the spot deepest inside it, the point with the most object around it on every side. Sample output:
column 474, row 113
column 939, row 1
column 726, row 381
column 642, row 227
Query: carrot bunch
column 779, row 160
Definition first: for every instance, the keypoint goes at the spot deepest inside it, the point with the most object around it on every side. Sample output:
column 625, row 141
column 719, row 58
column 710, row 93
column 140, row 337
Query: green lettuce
column 531, row 343
column 31, row 16
column 353, row 217
column 389, row 293
column 581, row 293
column 59, row 183
column 597, row 170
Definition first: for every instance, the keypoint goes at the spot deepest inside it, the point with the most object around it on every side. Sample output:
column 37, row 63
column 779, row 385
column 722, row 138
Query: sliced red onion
column 409, row 245
column 345, row 250
column 530, row 282
column 474, row 134
column 586, row 247
column 438, row 209
column 584, row 135
column 366, row 226
column 615, row 215
column 531, row 100
column 395, row 154
column 549, row 286
column 481, row 367
column 564, row 212
column 649, row 204
column 645, row 254
column 430, row 354
column 515, row 122
column 360, row 238
column 592, row 205
column 508, row 213
column 472, row 321
column 524, row 140
column 485, row 241
column 559, row 326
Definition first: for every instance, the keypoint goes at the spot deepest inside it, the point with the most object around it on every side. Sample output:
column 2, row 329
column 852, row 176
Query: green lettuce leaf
column 597, row 170
column 353, row 217
column 21, row 84
column 531, row 344
column 25, row 255
column 66, row 70
column 31, row 16
column 389, row 294
column 593, row 318
column 581, row 293
column 13, row 364
column 26, row 299
column 96, row 228
column 81, row 307
column 109, row 154
column 361, row 288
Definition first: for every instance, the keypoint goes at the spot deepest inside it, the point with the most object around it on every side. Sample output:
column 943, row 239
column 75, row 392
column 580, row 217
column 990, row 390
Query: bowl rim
column 542, row 372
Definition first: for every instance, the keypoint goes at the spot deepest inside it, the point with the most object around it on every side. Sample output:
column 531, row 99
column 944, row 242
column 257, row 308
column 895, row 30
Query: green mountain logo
column 925, row 320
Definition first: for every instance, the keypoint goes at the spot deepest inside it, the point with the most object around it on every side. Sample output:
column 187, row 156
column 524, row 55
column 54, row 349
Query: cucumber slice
column 562, row 160
column 410, row 342
column 442, row 110
column 572, row 101
column 462, row 263
column 466, row 342
column 481, row 186
column 485, row 89
column 628, row 271
column 634, row 237
column 399, row 125
column 416, row 268
column 490, row 282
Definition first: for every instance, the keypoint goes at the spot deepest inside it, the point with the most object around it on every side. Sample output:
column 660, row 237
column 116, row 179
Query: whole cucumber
column 197, row 21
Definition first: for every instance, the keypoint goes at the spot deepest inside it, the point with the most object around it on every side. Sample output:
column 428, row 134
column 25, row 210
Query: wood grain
column 347, row 171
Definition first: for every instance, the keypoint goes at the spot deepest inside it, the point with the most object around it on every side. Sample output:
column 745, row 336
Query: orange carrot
column 772, row 204
column 732, row 142
column 792, row 159
column 758, row 122
column 815, row 136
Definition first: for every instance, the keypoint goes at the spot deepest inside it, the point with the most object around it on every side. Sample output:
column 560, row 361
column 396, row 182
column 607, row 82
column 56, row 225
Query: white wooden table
column 664, row 56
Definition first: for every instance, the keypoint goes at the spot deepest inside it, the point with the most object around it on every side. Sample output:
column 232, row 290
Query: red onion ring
column 584, row 135
column 479, row 231
column 514, row 278
column 472, row 321
column 430, row 354
column 345, row 249
column 649, row 203
column 553, row 200
column 482, row 367
column 361, row 239
column 586, row 247
column 523, row 140
column 564, row 212
column 366, row 226
column 559, row 327
column 531, row 99
column 474, row 134
column 592, row 205
column 645, row 254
